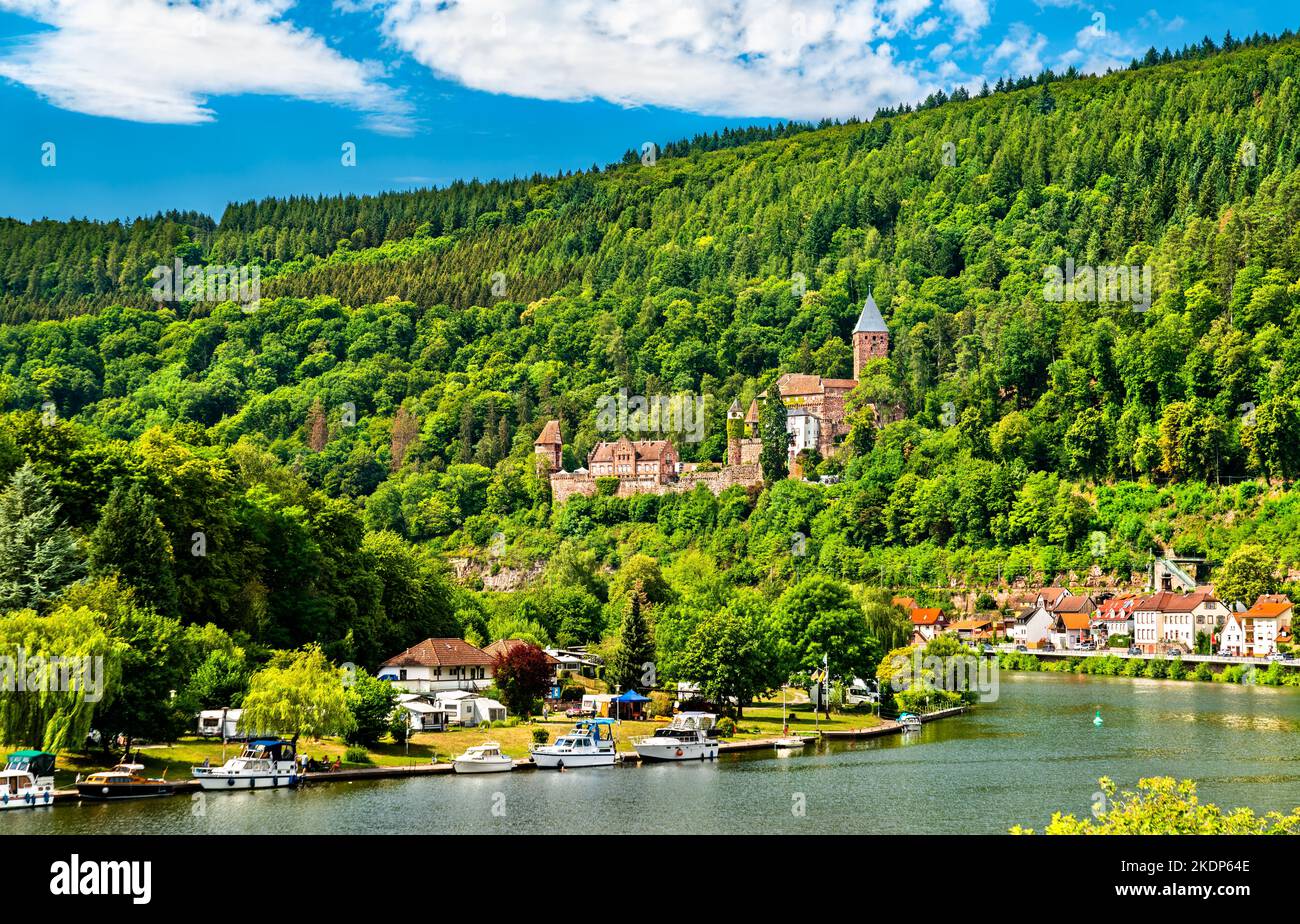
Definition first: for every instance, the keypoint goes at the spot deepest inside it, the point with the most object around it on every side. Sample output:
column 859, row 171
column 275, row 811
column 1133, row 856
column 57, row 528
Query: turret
column 870, row 337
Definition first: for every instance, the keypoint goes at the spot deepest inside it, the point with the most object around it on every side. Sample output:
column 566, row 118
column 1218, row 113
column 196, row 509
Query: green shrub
column 356, row 755
column 726, row 727
column 541, row 736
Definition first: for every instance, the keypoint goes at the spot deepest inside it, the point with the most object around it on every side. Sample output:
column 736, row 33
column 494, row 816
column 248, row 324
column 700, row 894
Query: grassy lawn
column 761, row 720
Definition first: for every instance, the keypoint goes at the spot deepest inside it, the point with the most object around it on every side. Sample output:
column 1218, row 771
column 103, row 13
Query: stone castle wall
column 565, row 485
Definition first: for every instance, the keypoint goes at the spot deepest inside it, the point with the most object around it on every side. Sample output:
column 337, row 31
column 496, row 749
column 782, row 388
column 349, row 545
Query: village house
column 927, row 622
column 576, row 662
column 1034, row 621
column 1114, row 617
column 1167, row 619
column 1032, row 626
column 975, row 629
column 1257, row 631
column 437, row 664
column 503, row 646
column 1071, row 621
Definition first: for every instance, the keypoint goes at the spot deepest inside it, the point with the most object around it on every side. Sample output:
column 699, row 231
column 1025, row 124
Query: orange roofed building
column 927, row 622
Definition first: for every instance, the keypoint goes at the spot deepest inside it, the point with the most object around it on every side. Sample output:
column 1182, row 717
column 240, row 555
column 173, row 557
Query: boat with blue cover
column 589, row 744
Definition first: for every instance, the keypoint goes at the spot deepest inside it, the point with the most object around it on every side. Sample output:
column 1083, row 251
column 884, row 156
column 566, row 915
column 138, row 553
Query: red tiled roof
column 1074, row 620
column 642, row 449
column 1267, row 610
column 550, row 434
column 1169, row 602
column 1074, row 604
column 503, row 646
column 926, row 616
column 798, row 383
column 440, row 652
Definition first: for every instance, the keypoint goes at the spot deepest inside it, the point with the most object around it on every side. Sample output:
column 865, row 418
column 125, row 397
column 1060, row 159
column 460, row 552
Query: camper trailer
column 223, row 723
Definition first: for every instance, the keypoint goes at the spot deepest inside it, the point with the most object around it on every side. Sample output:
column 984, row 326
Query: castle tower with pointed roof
column 870, row 337
column 550, row 446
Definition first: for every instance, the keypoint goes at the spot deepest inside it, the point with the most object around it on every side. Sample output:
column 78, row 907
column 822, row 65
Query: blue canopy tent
column 629, row 704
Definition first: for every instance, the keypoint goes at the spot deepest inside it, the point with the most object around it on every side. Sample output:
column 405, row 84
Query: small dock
column 759, row 744
column 889, row 726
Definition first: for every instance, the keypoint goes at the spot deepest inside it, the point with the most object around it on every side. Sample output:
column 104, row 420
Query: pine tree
column 131, row 541
column 636, row 647
column 38, row 555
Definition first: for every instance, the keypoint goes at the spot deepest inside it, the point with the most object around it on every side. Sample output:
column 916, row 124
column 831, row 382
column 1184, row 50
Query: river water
column 1033, row 751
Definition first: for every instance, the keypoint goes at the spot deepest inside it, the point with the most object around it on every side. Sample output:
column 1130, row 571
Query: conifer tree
column 775, row 454
column 131, row 540
column 636, row 647
column 39, row 556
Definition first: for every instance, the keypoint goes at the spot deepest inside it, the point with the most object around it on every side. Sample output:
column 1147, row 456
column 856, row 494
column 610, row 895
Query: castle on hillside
column 816, row 419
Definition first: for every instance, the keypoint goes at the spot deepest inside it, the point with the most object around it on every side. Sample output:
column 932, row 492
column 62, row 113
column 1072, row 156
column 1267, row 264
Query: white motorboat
column 685, row 738
column 910, row 722
column 264, row 764
column 589, row 744
column 485, row 758
column 27, row 780
column 790, row 743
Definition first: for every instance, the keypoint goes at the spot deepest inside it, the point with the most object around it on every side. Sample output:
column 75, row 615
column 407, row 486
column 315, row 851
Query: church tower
column 870, row 337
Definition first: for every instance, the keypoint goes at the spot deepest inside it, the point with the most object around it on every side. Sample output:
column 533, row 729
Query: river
column 1033, row 751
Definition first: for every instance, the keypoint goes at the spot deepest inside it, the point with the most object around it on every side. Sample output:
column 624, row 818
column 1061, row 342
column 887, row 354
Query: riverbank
column 1017, row 759
column 760, row 724
column 1274, row 674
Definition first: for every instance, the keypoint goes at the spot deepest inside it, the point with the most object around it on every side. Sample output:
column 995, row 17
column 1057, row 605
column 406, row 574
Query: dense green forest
column 305, row 468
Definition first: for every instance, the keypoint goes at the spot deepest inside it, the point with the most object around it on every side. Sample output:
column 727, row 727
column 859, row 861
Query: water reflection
column 1033, row 752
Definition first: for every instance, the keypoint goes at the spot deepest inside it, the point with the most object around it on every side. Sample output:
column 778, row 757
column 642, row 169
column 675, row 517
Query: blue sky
column 157, row 104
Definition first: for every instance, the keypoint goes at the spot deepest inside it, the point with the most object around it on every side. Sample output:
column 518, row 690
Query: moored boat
column 27, row 780
column 264, row 764
column 910, row 722
column 789, row 743
column 124, row 781
column 589, row 744
column 484, row 758
column 687, row 737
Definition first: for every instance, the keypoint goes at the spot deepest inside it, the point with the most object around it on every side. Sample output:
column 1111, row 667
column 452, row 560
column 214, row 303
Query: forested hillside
column 374, row 413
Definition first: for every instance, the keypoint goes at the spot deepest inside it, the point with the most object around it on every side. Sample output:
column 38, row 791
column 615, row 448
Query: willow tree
column 55, row 672
column 297, row 693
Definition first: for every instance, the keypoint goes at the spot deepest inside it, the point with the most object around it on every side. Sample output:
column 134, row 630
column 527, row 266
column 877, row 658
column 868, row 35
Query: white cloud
column 790, row 58
column 155, row 61
column 1098, row 49
column 1021, row 49
column 972, row 15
